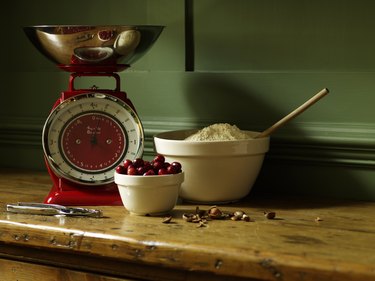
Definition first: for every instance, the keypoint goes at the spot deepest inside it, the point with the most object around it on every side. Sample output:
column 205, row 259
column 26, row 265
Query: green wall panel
column 255, row 99
column 289, row 35
column 250, row 63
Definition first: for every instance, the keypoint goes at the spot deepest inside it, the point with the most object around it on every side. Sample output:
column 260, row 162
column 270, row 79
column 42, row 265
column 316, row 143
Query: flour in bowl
column 219, row 132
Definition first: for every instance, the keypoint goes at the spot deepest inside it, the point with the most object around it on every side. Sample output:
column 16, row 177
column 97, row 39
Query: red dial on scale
column 87, row 136
column 93, row 142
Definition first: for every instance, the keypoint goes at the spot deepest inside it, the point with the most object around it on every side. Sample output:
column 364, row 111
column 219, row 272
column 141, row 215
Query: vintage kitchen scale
column 91, row 131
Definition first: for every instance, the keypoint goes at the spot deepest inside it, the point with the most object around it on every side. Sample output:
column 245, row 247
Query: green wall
column 247, row 62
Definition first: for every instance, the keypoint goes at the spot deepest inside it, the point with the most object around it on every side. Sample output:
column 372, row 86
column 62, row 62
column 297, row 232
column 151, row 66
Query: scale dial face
column 87, row 136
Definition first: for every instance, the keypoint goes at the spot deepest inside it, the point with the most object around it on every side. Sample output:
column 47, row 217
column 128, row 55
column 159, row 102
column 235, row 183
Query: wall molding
column 18, row 131
column 338, row 144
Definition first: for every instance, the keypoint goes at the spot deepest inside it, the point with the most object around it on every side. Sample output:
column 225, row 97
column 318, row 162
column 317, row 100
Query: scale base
column 62, row 194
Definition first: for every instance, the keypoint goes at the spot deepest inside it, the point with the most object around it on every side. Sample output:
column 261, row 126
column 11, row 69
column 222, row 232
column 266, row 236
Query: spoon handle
column 293, row 114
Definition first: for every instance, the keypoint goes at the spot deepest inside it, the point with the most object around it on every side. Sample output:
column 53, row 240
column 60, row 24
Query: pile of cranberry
column 140, row 167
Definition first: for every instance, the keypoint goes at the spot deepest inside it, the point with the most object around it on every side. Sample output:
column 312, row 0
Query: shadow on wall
column 215, row 98
column 218, row 98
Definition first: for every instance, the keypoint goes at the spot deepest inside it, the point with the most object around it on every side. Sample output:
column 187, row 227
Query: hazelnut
column 167, row 219
column 215, row 213
column 269, row 215
column 188, row 217
column 237, row 215
column 245, row 217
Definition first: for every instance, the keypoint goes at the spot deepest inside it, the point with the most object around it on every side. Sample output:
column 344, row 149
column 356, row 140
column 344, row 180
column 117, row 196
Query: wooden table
column 294, row 246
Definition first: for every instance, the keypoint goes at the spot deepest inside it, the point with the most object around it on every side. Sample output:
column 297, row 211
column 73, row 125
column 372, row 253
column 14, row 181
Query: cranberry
column 147, row 165
column 177, row 165
column 149, row 173
column 141, row 170
column 163, row 171
column 172, row 170
column 157, row 165
column 127, row 162
column 138, row 162
column 132, row 171
column 121, row 170
column 159, row 158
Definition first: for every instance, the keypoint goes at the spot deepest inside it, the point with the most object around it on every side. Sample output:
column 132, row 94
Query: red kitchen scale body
column 89, row 132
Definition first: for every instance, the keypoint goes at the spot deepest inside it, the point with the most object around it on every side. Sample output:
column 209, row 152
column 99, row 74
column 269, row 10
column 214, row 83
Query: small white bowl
column 149, row 195
column 216, row 172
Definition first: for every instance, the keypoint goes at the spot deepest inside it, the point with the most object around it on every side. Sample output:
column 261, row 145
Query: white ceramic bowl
column 215, row 171
column 149, row 195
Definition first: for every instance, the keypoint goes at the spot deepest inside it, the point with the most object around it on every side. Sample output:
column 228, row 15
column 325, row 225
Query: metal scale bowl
column 91, row 131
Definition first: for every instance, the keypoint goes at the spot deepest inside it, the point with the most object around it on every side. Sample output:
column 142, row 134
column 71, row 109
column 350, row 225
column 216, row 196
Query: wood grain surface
column 310, row 239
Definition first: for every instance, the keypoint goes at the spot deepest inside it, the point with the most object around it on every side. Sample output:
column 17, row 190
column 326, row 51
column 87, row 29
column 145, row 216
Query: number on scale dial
column 87, row 136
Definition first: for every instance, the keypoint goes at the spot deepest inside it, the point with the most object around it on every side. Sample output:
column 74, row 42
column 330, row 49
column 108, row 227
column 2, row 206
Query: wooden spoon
column 293, row 114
